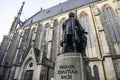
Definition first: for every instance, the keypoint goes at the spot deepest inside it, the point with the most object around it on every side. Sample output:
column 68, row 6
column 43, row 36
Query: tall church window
column 13, row 47
column 112, row 24
column 55, row 39
column 38, row 36
column 85, row 23
column 33, row 35
column 22, row 44
column 61, row 22
column 61, row 31
column 55, row 23
column 46, row 31
column 20, row 40
column 96, row 72
column 46, row 39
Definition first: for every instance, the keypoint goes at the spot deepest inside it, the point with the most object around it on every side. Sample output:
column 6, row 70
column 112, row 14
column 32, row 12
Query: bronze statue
column 73, row 36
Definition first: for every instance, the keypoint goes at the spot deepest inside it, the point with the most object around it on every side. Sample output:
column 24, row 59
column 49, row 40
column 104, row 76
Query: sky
column 10, row 8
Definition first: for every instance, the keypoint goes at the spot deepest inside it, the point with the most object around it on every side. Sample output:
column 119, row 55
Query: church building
column 30, row 49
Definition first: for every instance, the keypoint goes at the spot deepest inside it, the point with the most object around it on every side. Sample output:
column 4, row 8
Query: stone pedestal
column 70, row 66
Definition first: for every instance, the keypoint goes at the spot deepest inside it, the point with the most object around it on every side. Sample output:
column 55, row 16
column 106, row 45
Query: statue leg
column 84, row 44
column 64, row 47
column 74, row 47
column 84, row 53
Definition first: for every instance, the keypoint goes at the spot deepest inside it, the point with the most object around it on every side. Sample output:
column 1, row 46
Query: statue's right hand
column 86, row 32
column 61, row 43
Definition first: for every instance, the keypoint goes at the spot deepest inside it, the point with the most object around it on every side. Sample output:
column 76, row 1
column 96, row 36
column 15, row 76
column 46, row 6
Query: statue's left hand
column 85, row 32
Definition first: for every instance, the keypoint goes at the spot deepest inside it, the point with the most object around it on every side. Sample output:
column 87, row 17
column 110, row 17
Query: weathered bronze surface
column 73, row 36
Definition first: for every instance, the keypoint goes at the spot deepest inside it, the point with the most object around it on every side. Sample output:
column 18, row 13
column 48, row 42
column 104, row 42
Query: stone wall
column 104, row 54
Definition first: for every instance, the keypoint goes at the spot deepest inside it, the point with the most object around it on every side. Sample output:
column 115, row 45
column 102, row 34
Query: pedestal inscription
column 69, row 67
column 67, row 71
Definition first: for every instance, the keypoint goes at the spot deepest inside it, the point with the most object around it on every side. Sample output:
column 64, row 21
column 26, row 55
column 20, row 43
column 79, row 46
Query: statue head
column 71, row 14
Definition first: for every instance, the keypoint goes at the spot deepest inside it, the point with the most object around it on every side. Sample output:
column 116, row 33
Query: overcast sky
column 9, row 9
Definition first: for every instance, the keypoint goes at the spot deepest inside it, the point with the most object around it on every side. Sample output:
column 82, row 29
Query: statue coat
column 72, row 27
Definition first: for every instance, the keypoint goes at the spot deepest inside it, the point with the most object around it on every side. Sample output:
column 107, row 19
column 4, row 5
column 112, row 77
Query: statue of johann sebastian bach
column 73, row 36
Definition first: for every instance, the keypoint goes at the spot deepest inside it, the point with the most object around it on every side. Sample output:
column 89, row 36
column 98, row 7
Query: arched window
column 46, row 37
column 33, row 35
column 85, row 22
column 112, row 24
column 96, row 72
column 60, row 32
column 46, row 31
column 38, row 36
column 55, row 22
column 12, row 47
column 61, row 22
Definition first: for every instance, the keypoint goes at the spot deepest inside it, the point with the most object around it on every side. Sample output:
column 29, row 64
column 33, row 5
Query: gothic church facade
column 29, row 51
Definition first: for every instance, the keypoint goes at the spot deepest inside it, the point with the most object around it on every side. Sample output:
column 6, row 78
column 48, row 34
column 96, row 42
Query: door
column 28, row 75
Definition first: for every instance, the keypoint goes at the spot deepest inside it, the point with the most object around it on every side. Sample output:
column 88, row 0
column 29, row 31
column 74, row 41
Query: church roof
column 57, row 9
